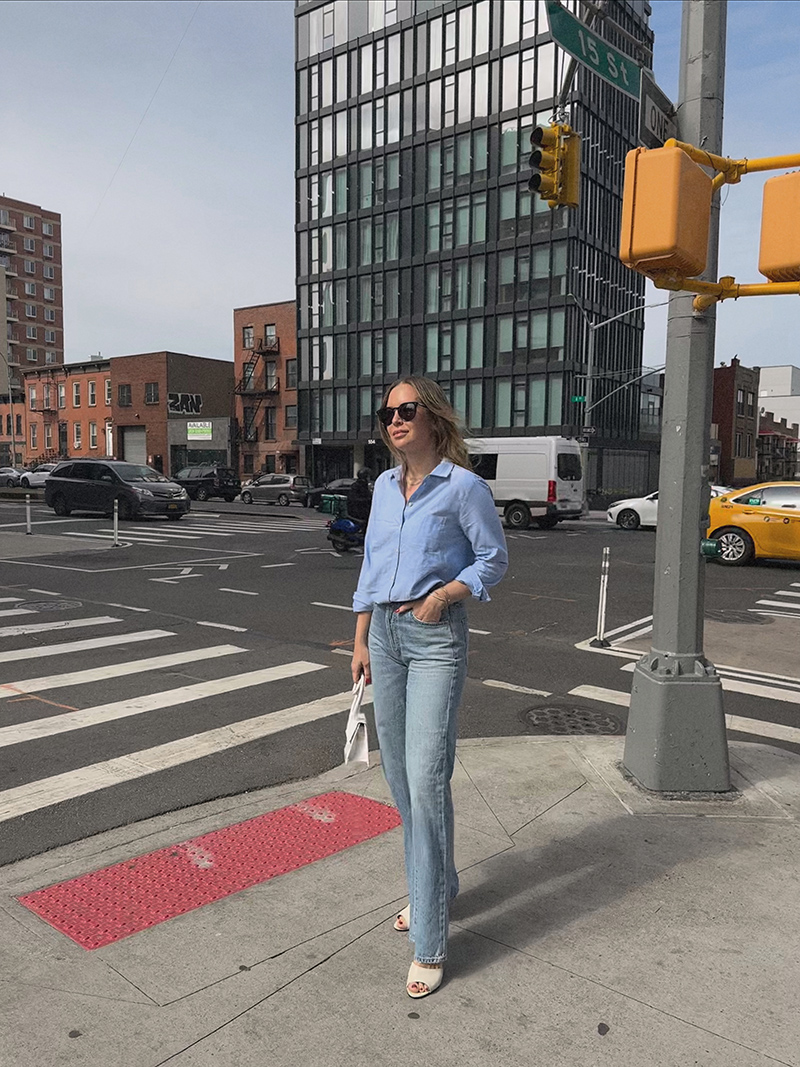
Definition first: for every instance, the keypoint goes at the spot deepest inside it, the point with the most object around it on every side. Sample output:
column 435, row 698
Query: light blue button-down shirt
column 448, row 530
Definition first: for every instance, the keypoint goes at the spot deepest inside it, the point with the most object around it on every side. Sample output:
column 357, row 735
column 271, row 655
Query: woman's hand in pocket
column 427, row 609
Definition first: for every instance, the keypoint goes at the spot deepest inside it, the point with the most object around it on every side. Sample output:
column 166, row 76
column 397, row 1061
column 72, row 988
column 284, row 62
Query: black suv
column 94, row 485
column 201, row 483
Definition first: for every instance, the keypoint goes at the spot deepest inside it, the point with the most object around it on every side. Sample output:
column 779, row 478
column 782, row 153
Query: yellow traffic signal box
column 779, row 257
column 666, row 209
column 556, row 162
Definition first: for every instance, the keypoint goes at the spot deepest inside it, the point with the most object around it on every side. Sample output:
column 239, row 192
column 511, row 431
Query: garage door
column 134, row 444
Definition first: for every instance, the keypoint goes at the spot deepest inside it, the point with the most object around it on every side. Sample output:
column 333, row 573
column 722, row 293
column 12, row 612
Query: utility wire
column 144, row 115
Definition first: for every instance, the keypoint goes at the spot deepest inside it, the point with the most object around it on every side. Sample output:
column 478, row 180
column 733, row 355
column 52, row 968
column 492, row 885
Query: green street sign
column 582, row 44
column 578, row 399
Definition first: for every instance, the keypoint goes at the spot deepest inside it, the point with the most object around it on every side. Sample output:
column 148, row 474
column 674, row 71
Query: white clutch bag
column 356, row 747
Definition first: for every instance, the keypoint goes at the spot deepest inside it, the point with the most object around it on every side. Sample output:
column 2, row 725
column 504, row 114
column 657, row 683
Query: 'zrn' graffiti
column 185, row 403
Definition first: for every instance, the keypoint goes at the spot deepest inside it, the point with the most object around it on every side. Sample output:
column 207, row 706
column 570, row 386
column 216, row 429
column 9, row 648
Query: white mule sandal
column 430, row 977
column 403, row 920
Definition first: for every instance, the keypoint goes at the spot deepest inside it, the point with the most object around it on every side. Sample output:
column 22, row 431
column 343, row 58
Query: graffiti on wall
column 185, row 403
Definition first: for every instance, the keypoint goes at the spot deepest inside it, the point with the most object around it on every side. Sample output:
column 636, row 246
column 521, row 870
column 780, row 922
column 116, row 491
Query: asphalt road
column 208, row 657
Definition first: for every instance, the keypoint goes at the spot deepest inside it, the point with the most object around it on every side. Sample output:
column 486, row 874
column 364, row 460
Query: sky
column 163, row 133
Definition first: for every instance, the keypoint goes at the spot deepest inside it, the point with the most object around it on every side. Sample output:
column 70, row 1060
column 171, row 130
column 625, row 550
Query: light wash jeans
column 418, row 673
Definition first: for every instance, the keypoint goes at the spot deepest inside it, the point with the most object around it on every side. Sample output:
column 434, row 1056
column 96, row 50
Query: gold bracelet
column 443, row 601
column 442, row 589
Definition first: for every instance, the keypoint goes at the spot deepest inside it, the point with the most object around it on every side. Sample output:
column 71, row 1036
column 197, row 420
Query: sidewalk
column 596, row 925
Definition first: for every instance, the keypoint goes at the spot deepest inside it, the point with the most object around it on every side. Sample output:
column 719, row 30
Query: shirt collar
column 442, row 470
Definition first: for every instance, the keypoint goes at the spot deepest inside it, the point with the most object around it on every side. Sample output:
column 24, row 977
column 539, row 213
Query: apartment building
column 265, row 358
column 67, row 411
column 30, row 256
column 735, row 412
column 419, row 247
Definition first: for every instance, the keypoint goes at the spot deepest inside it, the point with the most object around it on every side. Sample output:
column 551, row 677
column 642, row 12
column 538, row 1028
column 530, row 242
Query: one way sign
column 656, row 115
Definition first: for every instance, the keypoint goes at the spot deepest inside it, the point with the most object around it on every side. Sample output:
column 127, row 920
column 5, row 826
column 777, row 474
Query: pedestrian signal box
column 666, row 210
column 779, row 257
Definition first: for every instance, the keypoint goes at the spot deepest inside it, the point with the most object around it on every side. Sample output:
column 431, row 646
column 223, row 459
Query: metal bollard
column 28, row 529
column 116, row 523
column 600, row 641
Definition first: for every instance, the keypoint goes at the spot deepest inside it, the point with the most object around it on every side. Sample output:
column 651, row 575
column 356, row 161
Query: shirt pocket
column 433, row 534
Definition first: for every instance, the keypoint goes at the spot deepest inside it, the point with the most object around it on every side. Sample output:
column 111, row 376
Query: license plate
column 172, row 507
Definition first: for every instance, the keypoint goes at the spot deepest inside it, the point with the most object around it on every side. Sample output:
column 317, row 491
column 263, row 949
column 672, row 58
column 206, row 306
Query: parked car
column 10, row 476
column 643, row 510
column 37, row 477
column 339, row 487
column 283, row 489
column 202, row 483
column 760, row 522
column 94, row 485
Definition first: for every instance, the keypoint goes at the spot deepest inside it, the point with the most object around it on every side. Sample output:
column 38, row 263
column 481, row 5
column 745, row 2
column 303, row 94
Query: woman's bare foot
column 402, row 920
column 417, row 988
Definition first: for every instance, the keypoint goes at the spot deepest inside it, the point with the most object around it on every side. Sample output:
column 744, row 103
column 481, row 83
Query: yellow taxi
column 760, row 522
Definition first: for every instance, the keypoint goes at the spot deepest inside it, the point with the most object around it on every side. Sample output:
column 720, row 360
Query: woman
column 433, row 540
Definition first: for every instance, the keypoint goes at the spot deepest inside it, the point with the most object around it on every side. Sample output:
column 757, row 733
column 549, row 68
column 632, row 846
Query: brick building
column 265, row 358
column 30, row 257
column 170, row 409
column 166, row 409
column 67, row 411
column 777, row 449
column 735, row 413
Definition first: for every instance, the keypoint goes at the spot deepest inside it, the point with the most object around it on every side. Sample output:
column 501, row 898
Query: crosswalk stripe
column 114, row 670
column 16, row 611
column 41, row 794
column 82, row 646
column 199, row 529
column 779, row 604
column 121, row 709
column 160, row 533
column 785, row 592
column 107, row 537
column 597, row 692
column 18, row 599
column 60, row 624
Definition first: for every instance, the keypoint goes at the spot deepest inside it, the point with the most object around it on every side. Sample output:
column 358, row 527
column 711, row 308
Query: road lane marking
column 16, row 611
column 105, row 537
column 60, row 787
column 61, row 624
column 268, row 566
column 742, row 673
column 597, row 692
column 515, row 688
column 44, row 592
column 170, row 698
column 17, row 599
column 139, row 531
column 785, row 592
column 778, row 604
column 339, row 607
column 114, row 670
column 242, row 592
column 776, row 614
column 486, row 633
column 224, row 626
column 629, row 626
column 636, row 633
column 82, row 646
column 126, row 606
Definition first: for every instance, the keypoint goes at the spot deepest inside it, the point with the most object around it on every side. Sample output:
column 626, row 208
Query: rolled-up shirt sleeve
column 482, row 527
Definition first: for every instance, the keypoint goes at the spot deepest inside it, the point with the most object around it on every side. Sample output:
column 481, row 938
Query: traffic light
column 779, row 256
column 556, row 162
column 666, row 210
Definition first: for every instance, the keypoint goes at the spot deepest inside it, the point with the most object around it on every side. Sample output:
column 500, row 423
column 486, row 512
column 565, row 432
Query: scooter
column 345, row 533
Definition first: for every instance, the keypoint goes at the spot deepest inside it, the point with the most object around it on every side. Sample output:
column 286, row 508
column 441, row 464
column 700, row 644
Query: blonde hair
column 446, row 427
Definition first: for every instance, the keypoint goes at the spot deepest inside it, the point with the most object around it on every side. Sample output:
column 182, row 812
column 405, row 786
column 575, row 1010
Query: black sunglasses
column 406, row 411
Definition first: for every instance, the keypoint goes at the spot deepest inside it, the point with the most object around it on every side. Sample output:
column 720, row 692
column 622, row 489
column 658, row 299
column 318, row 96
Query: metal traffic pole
column 28, row 529
column 676, row 738
column 116, row 523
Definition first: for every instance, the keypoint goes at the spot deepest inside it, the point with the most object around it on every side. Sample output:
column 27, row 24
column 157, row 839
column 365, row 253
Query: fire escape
column 258, row 383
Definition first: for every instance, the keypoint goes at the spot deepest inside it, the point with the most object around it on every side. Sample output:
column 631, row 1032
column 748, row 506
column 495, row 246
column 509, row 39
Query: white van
column 537, row 479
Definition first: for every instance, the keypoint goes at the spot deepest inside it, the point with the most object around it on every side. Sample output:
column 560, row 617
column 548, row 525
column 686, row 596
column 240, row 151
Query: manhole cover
column 564, row 720
column 52, row 605
column 738, row 616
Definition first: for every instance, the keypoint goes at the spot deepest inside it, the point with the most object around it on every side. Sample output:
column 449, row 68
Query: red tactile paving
column 103, row 907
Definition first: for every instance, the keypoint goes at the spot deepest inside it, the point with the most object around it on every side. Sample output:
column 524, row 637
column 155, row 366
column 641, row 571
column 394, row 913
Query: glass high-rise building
column 419, row 247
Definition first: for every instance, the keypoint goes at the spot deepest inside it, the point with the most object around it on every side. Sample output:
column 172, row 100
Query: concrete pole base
column 676, row 740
